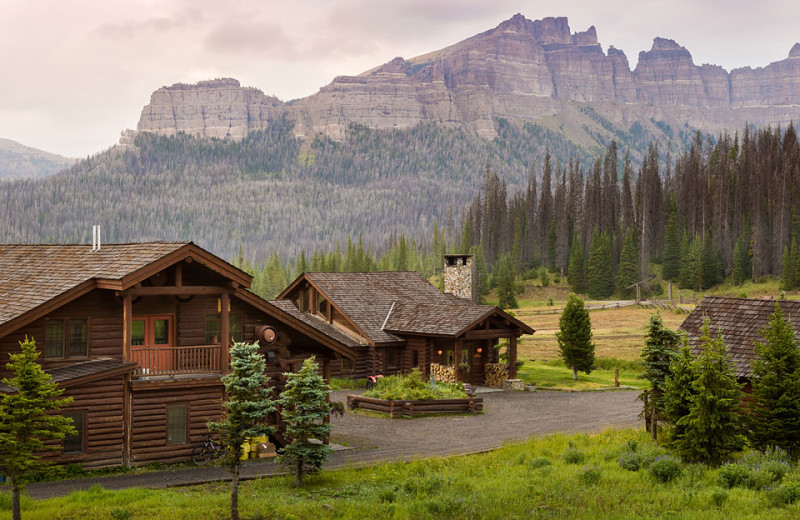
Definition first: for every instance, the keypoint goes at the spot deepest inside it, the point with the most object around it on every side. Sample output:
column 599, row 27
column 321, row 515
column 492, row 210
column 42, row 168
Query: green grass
column 553, row 374
column 558, row 476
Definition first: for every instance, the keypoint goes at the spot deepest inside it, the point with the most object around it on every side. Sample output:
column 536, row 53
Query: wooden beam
column 491, row 333
column 185, row 290
column 225, row 332
column 126, row 420
column 458, row 360
column 512, row 358
column 127, row 326
column 326, row 375
column 179, row 274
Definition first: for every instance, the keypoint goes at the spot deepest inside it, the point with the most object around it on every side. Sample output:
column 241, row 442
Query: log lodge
column 138, row 335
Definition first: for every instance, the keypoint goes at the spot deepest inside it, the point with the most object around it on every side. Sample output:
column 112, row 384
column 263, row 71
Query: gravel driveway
column 507, row 416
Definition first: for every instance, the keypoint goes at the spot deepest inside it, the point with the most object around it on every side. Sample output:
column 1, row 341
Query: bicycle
column 206, row 452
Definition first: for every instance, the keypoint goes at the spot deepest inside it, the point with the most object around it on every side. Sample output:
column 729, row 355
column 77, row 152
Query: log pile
column 443, row 373
column 419, row 407
column 496, row 373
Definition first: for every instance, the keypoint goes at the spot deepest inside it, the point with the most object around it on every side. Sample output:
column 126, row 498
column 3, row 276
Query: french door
column 156, row 334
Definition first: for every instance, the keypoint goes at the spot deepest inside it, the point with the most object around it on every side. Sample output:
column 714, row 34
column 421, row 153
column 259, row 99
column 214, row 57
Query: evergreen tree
column 574, row 336
column 776, row 387
column 692, row 265
column 246, row 410
column 628, row 273
column 302, row 265
column 600, row 268
column 671, row 259
column 28, row 419
column 576, row 271
column 507, row 298
column 713, row 426
column 679, row 390
column 740, row 272
column 712, row 267
column 305, row 405
column 551, row 246
column 659, row 352
column 482, row 274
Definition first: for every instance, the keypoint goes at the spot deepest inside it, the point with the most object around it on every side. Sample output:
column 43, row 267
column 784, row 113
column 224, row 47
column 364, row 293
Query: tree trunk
column 575, row 374
column 16, row 511
column 298, row 476
column 654, row 427
column 235, row 494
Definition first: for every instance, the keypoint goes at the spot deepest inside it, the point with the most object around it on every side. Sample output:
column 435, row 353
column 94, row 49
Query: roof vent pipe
column 96, row 238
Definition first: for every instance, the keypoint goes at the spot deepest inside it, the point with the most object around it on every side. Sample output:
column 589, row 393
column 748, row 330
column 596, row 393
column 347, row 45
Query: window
column 66, row 337
column 214, row 327
column 176, row 423
column 322, row 306
column 74, row 443
column 415, row 358
column 450, row 358
column 392, row 359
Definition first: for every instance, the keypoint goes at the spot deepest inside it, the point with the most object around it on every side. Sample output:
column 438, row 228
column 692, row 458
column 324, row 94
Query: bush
column 412, row 387
column 540, row 462
column 632, row 460
column 735, row 475
column 786, row 493
column 573, row 456
column 590, row 475
column 719, row 496
column 665, row 468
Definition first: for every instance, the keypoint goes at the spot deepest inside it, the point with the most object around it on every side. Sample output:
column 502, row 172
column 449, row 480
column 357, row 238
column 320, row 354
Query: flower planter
column 410, row 408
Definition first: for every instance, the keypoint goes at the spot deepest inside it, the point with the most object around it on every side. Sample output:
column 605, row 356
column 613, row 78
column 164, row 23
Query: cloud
column 160, row 25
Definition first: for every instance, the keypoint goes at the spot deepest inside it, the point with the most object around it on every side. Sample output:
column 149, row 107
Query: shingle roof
column 318, row 323
column 739, row 321
column 90, row 369
column 419, row 307
column 31, row 275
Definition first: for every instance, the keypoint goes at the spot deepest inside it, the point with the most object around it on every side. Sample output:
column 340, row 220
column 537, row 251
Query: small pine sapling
column 575, row 344
column 305, row 407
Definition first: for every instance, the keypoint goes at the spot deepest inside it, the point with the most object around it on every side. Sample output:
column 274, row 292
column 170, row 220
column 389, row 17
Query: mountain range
column 20, row 161
column 391, row 150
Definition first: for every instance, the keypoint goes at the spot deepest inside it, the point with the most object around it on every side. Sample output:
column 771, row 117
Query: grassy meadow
column 558, row 476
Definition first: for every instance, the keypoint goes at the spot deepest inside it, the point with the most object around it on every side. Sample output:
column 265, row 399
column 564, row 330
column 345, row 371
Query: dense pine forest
column 727, row 208
column 274, row 193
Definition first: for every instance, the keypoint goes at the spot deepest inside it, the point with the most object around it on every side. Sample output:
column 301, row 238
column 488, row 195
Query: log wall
column 149, row 400
column 410, row 408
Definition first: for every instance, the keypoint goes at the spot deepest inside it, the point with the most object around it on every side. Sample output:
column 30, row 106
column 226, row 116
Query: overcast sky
column 75, row 73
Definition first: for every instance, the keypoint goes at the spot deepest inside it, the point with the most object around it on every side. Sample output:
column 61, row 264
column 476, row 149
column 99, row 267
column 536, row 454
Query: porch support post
column 326, row 375
column 512, row 358
column 127, row 325
column 458, row 360
column 126, row 420
column 225, row 332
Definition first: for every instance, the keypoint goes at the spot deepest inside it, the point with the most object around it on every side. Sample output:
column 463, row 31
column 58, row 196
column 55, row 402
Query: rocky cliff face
column 216, row 108
column 521, row 69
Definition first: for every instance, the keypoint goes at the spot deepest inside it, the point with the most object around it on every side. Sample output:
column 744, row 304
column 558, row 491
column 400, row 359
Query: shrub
column 540, row 462
column 412, row 387
column 590, row 475
column 735, row 475
column 719, row 496
column 665, row 468
column 632, row 460
column 786, row 493
column 387, row 495
column 573, row 456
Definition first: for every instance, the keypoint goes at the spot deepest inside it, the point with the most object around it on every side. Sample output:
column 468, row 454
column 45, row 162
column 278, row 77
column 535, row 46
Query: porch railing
column 177, row 360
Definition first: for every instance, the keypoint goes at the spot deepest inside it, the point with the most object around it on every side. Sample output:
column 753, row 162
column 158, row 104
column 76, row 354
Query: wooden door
column 156, row 334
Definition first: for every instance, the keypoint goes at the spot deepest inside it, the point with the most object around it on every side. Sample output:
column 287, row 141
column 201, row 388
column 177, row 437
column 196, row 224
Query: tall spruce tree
column 628, row 272
column 600, row 267
column 713, row 428
column 305, row 405
column 776, row 387
column 507, row 298
column 660, row 351
column 482, row 287
column 574, row 336
column 678, row 390
column 28, row 419
column 576, row 271
column 246, row 410
column 671, row 259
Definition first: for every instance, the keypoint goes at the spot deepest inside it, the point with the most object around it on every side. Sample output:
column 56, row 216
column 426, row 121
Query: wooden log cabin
column 399, row 320
column 138, row 335
column 739, row 321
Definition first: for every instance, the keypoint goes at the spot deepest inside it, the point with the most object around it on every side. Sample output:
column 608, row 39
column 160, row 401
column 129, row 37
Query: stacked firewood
column 443, row 373
column 496, row 373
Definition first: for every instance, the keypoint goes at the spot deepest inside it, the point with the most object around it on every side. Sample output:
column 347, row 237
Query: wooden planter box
column 408, row 408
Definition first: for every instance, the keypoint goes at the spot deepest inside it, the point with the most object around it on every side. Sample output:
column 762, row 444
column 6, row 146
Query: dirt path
column 508, row 416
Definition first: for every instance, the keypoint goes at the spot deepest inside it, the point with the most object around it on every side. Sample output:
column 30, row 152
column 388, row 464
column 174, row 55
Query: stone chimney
column 458, row 276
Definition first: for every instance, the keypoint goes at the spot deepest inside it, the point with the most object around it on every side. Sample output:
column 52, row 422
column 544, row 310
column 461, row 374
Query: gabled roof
column 40, row 276
column 405, row 301
column 317, row 323
column 739, row 321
